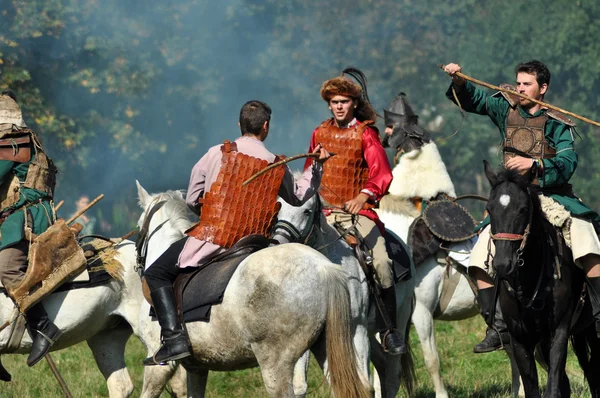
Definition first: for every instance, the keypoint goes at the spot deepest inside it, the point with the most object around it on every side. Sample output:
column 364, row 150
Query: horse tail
column 586, row 347
column 344, row 378
column 408, row 374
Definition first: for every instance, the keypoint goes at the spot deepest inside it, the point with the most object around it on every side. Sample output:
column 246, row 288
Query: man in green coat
column 27, row 180
column 553, row 160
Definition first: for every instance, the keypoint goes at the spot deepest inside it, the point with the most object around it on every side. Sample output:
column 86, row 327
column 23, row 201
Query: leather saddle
column 204, row 286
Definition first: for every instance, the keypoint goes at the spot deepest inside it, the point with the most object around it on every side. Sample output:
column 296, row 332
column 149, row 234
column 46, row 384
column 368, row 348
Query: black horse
column 539, row 287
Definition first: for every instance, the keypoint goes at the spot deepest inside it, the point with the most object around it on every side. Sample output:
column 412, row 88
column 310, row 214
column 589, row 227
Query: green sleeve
column 474, row 100
column 559, row 169
column 5, row 168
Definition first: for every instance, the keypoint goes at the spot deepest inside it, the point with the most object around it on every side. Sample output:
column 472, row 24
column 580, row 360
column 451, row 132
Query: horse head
column 164, row 219
column 407, row 135
column 511, row 209
column 297, row 224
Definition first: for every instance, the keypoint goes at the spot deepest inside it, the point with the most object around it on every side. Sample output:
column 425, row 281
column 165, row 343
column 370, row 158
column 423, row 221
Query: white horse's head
column 294, row 224
column 169, row 215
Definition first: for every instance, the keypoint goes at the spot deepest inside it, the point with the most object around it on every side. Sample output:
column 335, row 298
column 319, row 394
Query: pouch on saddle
column 197, row 291
column 16, row 148
column 54, row 258
column 442, row 221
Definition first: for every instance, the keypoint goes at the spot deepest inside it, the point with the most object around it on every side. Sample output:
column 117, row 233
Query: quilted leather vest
column 345, row 174
column 230, row 211
column 525, row 137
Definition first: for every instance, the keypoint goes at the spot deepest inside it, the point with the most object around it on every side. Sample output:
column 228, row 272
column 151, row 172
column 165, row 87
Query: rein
column 520, row 261
column 141, row 244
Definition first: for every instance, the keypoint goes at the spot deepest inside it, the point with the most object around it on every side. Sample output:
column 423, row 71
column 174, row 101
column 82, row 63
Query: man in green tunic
column 553, row 160
column 27, row 179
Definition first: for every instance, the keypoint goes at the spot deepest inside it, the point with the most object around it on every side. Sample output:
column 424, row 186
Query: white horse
column 280, row 302
column 308, row 224
column 422, row 173
column 104, row 316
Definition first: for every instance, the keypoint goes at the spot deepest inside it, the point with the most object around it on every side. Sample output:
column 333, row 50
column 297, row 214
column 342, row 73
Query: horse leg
column 516, row 389
column 301, row 375
column 108, row 348
column 523, row 355
column 389, row 371
column 179, row 383
column 156, row 378
column 276, row 367
column 196, row 384
column 423, row 320
column 558, row 382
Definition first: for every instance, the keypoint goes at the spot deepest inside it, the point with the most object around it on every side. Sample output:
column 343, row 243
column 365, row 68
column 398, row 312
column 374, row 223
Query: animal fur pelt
column 421, row 173
column 557, row 215
column 398, row 205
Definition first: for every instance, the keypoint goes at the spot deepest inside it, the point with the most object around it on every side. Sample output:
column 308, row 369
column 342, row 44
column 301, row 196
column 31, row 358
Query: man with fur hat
column 27, row 180
column 552, row 160
column 356, row 178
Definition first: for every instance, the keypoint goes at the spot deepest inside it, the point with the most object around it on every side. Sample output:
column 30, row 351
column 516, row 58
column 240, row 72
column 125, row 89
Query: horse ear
column 143, row 195
column 491, row 176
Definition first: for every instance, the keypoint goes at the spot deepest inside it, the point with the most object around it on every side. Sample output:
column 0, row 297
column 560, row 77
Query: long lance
column 512, row 92
column 281, row 162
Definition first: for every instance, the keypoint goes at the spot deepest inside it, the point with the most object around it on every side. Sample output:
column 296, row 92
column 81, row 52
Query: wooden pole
column 281, row 162
column 545, row 104
column 59, row 205
column 58, row 376
column 86, row 208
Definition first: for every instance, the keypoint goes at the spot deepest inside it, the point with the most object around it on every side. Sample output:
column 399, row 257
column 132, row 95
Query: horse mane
column 512, row 175
column 524, row 181
column 175, row 208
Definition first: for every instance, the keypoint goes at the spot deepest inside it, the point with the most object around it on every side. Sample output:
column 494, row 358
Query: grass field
column 465, row 374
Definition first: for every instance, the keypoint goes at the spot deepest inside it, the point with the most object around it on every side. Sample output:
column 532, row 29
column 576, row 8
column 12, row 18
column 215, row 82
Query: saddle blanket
column 100, row 269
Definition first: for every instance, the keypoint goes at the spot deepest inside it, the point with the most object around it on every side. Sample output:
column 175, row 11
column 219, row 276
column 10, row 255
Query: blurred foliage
column 126, row 90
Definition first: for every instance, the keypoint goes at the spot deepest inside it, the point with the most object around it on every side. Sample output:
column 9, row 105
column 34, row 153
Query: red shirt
column 380, row 173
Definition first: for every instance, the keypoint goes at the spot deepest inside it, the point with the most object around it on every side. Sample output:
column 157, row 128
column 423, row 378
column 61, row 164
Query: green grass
column 465, row 374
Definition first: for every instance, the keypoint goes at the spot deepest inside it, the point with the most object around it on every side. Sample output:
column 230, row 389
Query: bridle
column 506, row 236
column 141, row 244
column 295, row 236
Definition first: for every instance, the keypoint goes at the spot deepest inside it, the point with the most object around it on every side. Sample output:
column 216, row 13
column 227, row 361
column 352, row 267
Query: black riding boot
column 391, row 339
column 43, row 333
column 175, row 344
column 496, row 335
column 593, row 285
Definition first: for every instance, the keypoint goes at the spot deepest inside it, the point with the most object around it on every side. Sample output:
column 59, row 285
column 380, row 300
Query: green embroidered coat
column 557, row 170
column 13, row 228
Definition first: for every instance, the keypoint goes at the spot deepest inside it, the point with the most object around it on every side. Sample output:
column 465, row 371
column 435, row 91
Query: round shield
column 449, row 221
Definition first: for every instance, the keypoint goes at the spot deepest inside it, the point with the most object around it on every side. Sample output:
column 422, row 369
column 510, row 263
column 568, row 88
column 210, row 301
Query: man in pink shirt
column 206, row 196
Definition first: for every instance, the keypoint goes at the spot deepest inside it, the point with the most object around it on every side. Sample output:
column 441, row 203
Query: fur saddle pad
column 449, row 221
column 422, row 242
column 198, row 290
column 399, row 255
column 101, row 266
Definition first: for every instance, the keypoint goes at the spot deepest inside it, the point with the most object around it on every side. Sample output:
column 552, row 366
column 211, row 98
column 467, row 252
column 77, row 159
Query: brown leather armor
column 231, row 211
column 525, row 137
column 345, row 174
column 16, row 144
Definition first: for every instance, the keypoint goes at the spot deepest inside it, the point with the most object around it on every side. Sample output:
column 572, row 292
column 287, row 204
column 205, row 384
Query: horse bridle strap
column 141, row 245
